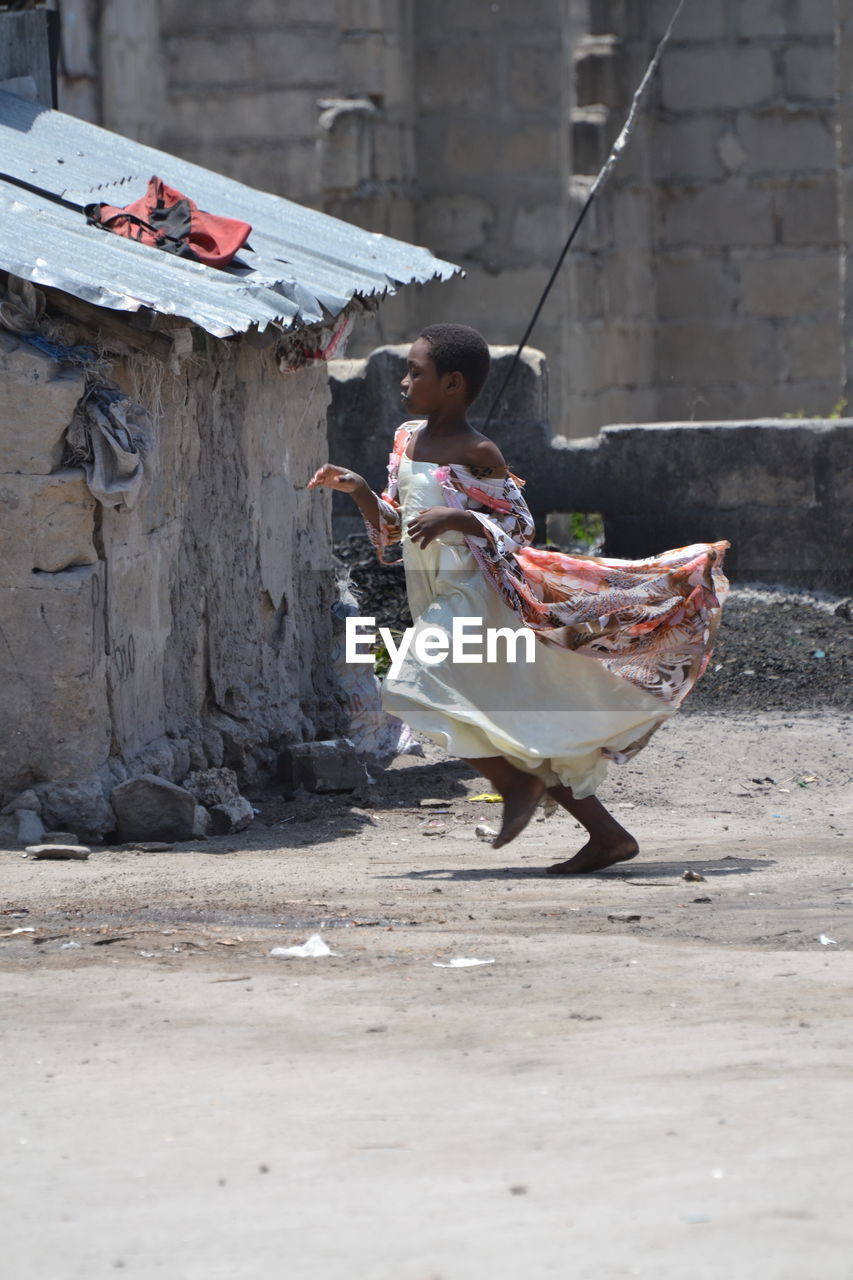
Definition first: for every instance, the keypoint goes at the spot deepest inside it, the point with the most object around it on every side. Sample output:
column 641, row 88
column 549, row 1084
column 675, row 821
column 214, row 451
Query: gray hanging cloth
column 109, row 437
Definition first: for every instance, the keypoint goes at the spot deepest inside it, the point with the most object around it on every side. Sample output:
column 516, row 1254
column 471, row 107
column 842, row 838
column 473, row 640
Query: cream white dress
column 552, row 716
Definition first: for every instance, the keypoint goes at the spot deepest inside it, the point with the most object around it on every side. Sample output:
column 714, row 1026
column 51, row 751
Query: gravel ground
column 776, row 650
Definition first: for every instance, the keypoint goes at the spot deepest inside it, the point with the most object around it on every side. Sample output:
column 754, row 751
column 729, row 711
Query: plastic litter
column 827, row 942
column 484, row 832
column 313, row 948
column 460, row 962
column 692, row 875
column 490, row 797
column 11, row 933
column 70, row 946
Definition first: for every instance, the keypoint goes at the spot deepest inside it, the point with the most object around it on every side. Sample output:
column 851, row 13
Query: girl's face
column 423, row 387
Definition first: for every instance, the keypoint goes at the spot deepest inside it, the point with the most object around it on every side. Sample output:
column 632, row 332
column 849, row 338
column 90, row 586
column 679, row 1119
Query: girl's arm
column 381, row 515
column 332, row 477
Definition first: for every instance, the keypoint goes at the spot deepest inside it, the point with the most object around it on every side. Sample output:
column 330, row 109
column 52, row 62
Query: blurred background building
column 710, row 281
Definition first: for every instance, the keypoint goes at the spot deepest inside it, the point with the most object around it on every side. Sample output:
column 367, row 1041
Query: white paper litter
column 827, row 942
column 313, row 948
column 459, row 962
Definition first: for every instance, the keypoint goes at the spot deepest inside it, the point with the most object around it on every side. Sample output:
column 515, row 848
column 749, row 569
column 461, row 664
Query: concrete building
column 176, row 618
column 711, row 280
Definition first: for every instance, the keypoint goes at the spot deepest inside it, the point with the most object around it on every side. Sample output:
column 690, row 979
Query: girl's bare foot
column 520, row 803
column 596, row 855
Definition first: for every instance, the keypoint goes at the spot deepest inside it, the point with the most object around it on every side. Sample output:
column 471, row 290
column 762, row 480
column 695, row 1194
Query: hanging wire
column 609, row 165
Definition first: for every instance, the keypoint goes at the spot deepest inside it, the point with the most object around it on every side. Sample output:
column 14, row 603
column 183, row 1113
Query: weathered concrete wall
column 779, row 490
column 192, row 628
column 708, row 283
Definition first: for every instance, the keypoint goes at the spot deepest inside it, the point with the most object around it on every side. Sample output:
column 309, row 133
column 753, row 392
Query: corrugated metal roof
column 301, row 261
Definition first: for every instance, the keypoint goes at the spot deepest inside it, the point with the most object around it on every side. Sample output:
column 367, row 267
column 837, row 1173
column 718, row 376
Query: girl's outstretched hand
column 333, row 477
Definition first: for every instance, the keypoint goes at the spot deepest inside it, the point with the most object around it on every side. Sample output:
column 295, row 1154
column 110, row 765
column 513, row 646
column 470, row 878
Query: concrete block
column 37, row 401
column 215, row 61
column 222, row 15
column 702, row 353
column 53, row 702
column 47, row 525
column 687, row 149
column 244, row 114
column 792, row 18
column 787, row 142
column 369, row 15
column 542, row 17
column 810, row 73
column 705, row 21
column 477, row 148
column 718, row 79
column 690, row 284
column 807, row 211
column 80, row 806
column 789, row 283
column 455, row 225
column 372, row 64
column 322, row 766
column 813, row 350
column 536, row 79
column 455, row 74
column 540, row 230
column 291, row 58
column 724, row 214
column 150, row 808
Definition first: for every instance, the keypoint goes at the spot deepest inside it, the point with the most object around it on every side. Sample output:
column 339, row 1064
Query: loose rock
column 692, row 875
column 58, row 852
column 230, row 816
column 150, row 808
column 26, row 800
column 331, row 765
column 77, row 806
column 30, row 827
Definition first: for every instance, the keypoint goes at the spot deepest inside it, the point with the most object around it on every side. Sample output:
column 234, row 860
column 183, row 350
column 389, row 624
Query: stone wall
column 779, row 490
column 192, row 628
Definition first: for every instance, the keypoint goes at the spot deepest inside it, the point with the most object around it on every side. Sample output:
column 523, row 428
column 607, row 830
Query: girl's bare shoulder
column 484, row 459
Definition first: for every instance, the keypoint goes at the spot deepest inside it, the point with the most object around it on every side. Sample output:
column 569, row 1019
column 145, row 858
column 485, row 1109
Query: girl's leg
column 608, row 842
column 521, row 794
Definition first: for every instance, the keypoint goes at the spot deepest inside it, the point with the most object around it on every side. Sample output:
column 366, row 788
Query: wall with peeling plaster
column 191, row 628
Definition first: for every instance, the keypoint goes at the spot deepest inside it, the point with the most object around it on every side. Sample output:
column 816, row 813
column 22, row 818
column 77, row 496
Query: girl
column 619, row 643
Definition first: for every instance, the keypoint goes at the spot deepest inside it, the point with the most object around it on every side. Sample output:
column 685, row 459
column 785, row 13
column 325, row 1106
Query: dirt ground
column 652, row 1078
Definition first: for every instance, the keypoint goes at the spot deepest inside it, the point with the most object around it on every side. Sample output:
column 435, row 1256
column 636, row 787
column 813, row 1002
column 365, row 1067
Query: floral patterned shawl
column 652, row 622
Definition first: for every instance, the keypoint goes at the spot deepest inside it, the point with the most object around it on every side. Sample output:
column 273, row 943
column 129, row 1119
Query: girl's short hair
column 457, row 348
